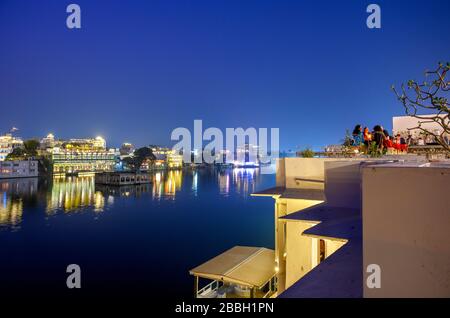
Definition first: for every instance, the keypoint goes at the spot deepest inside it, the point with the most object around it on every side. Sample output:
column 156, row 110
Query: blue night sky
column 138, row 69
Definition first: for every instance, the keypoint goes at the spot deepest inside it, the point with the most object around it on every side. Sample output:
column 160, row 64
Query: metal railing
column 214, row 285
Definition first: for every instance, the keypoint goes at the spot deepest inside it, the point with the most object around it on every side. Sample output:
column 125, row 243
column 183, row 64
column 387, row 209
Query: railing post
column 195, row 286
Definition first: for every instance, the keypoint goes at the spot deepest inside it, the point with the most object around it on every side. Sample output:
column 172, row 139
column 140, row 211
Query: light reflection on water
column 242, row 178
column 13, row 194
column 70, row 195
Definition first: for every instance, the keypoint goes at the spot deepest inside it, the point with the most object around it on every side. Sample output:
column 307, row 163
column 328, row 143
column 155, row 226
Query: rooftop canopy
column 243, row 265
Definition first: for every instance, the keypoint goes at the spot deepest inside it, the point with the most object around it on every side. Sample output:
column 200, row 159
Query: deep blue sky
column 138, row 69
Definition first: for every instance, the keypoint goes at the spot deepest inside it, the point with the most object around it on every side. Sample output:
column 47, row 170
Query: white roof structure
column 243, row 265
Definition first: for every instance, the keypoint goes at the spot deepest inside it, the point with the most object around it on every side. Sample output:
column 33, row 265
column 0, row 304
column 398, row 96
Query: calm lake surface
column 139, row 240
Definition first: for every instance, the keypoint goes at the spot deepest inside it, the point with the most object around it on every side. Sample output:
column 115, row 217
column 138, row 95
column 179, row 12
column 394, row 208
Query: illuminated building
column 165, row 158
column 174, row 160
column 160, row 150
column 160, row 162
column 48, row 142
column 157, row 164
column 126, row 149
column 247, row 156
column 18, row 169
column 7, row 144
column 221, row 157
column 79, row 155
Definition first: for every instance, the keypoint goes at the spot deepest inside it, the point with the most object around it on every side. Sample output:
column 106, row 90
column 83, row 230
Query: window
column 321, row 250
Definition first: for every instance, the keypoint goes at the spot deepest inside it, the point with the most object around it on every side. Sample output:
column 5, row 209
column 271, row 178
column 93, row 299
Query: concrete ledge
column 284, row 193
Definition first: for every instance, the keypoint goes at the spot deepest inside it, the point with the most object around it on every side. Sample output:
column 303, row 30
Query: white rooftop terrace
column 395, row 214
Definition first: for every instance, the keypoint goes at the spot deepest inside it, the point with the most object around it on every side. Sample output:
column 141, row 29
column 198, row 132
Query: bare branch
column 430, row 97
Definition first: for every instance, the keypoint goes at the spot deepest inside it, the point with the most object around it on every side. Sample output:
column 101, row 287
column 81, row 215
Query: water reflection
column 71, row 194
column 166, row 183
column 15, row 194
column 242, row 180
column 75, row 194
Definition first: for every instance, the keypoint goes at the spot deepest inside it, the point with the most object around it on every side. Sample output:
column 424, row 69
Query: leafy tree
column 307, row 153
column 30, row 146
column 135, row 162
column 16, row 154
column 373, row 151
column 348, row 140
column 430, row 96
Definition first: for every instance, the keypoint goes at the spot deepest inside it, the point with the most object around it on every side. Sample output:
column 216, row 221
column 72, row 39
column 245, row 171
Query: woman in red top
column 387, row 141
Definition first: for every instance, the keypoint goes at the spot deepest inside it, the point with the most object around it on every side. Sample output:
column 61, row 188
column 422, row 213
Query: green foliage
column 307, row 153
column 373, row 150
column 16, row 154
column 31, row 147
column 135, row 162
column 348, row 140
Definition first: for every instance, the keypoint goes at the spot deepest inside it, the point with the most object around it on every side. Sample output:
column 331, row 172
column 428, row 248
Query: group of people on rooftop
column 378, row 138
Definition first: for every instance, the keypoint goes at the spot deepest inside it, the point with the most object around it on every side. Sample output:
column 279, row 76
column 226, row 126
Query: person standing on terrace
column 379, row 137
column 367, row 136
column 358, row 137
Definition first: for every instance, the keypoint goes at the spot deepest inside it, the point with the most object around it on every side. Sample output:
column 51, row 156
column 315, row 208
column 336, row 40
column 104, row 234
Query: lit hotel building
column 7, row 144
column 165, row 158
column 78, row 155
column 18, row 169
column 174, row 161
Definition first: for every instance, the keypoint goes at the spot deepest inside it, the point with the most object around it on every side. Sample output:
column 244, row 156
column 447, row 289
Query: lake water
column 130, row 241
